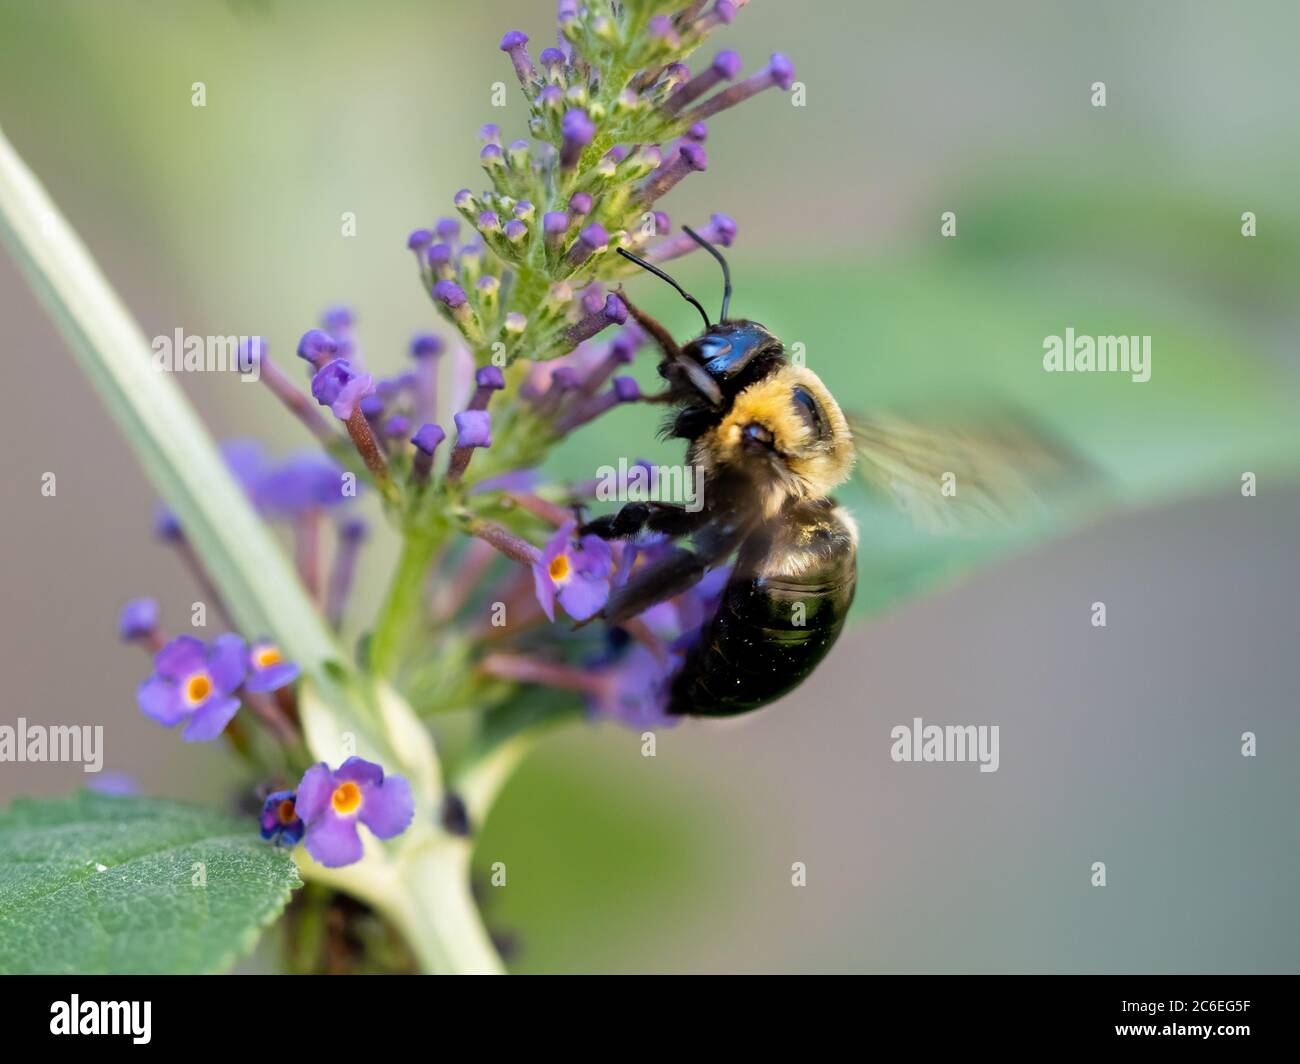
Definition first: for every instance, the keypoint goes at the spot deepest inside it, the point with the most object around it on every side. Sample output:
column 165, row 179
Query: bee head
column 735, row 350
column 786, row 435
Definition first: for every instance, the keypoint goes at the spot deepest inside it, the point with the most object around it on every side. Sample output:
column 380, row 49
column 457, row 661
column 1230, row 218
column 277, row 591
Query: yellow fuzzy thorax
column 807, row 467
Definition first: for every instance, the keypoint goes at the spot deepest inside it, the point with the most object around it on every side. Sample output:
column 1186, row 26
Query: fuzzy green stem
column 401, row 610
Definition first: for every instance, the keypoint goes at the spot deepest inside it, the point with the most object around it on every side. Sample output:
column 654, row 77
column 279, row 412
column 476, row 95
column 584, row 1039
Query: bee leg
column 658, row 333
column 667, row 518
column 677, row 572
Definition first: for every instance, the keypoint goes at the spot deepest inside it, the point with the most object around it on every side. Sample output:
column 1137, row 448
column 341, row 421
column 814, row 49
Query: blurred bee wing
column 966, row 478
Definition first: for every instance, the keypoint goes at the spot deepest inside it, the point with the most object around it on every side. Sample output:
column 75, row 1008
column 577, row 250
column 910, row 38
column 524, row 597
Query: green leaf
column 97, row 884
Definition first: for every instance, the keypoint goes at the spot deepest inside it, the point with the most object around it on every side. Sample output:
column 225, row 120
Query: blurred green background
column 1119, row 745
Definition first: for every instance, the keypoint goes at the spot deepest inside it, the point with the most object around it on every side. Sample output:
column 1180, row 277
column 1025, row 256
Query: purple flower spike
column 397, row 427
column 138, row 619
column 625, row 390
column 578, row 131
column 280, row 821
column 426, row 440
column 612, row 312
column 690, row 157
column 725, row 66
column 591, row 241
column 593, row 298
column 580, row 204
column 331, row 802
column 473, row 429
column 779, row 72
column 317, row 347
column 551, row 58
column 420, row 238
column 195, row 683
column 338, row 320
column 447, row 229
column 450, row 294
column 721, row 230
column 490, row 377
column 427, row 437
column 515, row 45
column 301, row 483
column 550, row 99
column 660, row 27
column 554, row 225
column 636, row 691
column 426, row 345
column 516, row 231
column 439, row 258
column 620, row 352
column 487, row 379
column 340, row 387
column 267, row 669
column 577, row 576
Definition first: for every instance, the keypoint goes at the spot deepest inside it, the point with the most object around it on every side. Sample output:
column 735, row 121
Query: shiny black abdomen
column 772, row 627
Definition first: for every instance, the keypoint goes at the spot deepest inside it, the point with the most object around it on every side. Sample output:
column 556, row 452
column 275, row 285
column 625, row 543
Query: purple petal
column 273, row 677
column 584, row 597
column 333, row 840
column 182, row 656
column 388, row 807
column 210, row 719
column 544, row 589
column 359, row 770
column 473, row 428
column 314, row 791
column 159, row 700
column 227, row 662
column 559, row 542
column 596, row 557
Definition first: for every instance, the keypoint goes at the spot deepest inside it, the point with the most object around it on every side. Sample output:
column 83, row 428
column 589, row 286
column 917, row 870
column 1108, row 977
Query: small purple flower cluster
column 203, row 685
column 196, row 682
column 603, row 155
column 329, row 804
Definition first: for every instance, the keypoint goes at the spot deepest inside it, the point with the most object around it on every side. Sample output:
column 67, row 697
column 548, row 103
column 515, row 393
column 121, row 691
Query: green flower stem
column 402, row 609
column 424, row 890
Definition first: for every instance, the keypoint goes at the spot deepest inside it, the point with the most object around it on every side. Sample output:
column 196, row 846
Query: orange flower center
column 286, row 812
column 346, row 798
column 559, row 568
column 197, row 688
column 265, row 657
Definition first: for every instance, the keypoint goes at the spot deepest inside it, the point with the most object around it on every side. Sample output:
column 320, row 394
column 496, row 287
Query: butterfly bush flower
column 280, row 821
column 578, row 576
column 138, row 620
column 195, row 683
column 533, row 338
column 332, row 802
column 267, row 668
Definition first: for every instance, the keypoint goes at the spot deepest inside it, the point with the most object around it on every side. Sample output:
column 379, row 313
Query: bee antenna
column 726, row 272
column 664, row 277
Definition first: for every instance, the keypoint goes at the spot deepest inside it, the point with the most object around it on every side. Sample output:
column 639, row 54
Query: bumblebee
column 772, row 444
